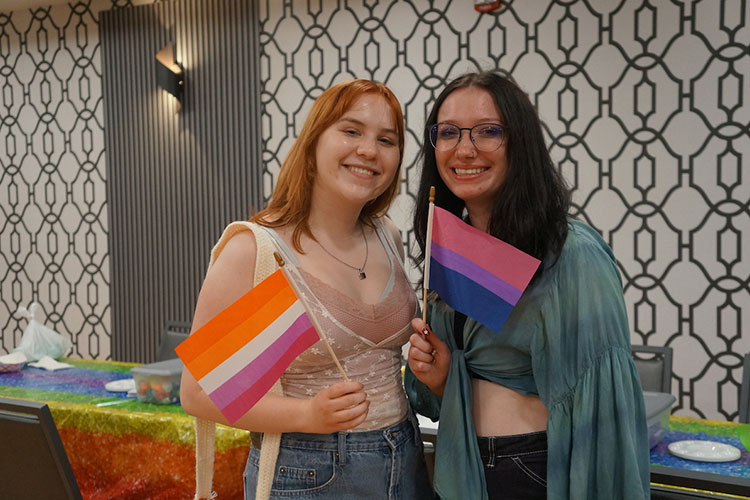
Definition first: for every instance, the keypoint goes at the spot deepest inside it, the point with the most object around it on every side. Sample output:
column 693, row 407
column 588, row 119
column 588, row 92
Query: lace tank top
column 366, row 338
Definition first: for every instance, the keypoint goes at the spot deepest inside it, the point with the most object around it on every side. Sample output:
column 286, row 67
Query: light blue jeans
column 386, row 464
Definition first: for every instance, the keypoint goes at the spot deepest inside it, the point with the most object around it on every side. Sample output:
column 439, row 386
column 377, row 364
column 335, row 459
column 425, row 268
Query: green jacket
column 566, row 341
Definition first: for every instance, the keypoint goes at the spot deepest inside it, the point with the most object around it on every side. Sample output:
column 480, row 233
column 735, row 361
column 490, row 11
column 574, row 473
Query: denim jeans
column 382, row 464
column 515, row 467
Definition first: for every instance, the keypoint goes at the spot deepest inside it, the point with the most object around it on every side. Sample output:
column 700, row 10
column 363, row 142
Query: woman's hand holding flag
column 429, row 357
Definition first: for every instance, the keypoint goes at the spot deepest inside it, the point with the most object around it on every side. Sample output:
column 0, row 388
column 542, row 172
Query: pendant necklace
column 360, row 270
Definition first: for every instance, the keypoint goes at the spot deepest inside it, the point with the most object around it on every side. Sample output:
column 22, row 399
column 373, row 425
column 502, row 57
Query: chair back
column 172, row 336
column 654, row 366
column 744, row 414
column 33, row 462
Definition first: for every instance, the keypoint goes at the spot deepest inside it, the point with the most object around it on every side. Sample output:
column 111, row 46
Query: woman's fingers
column 437, row 346
column 356, row 413
column 356, row 420
column 429, row 357
column 419, row 326
column 341, row 406
column 341, row 388
column 420, row 349
column 347, row 401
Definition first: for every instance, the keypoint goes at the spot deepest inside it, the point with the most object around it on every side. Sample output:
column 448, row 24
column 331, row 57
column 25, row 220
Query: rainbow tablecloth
column 120, row 448
column 681, row 428
column 682, row 478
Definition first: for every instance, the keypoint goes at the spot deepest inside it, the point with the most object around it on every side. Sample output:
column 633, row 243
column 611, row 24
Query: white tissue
column 50, row 364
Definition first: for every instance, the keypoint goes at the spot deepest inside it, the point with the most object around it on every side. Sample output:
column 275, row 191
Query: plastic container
column 158, row 382
column 658, row 409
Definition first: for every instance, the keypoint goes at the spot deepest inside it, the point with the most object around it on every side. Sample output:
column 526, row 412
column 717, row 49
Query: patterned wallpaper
column 53, row 207
column 643, row 102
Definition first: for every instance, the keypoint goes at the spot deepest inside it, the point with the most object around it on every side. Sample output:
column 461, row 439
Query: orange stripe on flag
column 226, row 321
column 242, row 334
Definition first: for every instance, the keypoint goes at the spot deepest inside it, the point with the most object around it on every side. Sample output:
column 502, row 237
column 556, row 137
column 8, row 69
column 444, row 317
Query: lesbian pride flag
column 475, row 273
column 238, row 355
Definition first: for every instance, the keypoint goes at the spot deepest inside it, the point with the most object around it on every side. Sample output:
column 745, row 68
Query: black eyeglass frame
column 432, row 132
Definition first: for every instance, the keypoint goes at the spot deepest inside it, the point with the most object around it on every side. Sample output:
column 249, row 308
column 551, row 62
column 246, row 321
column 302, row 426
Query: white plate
column 124, row 385
column 704, row 451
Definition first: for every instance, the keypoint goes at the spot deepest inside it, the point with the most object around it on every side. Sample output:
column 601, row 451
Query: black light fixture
column 169, row 74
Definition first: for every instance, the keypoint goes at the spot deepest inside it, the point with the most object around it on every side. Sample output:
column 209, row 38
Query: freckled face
column 472, row 175
column 357, row 157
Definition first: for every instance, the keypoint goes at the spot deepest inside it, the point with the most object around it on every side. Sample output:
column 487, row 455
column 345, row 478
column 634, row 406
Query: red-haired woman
column 338, row 439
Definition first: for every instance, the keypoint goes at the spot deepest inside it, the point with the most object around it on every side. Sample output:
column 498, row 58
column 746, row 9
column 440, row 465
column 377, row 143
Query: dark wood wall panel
column 175, row 177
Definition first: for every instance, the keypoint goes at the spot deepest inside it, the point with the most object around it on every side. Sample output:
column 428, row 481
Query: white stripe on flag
column 244, row 356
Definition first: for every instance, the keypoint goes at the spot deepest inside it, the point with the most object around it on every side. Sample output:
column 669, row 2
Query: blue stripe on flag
column 468, row 297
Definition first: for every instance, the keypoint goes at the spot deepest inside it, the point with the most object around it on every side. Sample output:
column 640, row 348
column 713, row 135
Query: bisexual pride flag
column 475, row 273
column 238, row 355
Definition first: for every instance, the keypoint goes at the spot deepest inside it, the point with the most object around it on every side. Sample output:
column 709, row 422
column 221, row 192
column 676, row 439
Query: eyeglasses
column 486, row 137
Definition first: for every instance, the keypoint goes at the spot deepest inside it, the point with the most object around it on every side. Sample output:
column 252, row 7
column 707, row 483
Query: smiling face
column 357, row 157
column 472, row 175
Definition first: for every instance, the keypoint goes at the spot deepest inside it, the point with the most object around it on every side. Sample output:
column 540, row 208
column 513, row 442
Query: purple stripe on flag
column 472, row 299
column 474, row 272
column 246, row 400
column 495, row 256
column 254, row 370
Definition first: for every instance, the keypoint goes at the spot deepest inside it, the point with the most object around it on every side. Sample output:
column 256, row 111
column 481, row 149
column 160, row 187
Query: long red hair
column 292, row 195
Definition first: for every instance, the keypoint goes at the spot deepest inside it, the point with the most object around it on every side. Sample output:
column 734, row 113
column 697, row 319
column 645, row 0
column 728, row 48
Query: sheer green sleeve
column 597, row 432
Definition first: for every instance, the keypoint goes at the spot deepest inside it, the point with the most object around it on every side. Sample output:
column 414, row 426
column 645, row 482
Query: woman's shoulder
column 391, row 231
column 230, row 275
column 236, row 247
column 584, row 256
column 387, row 225
column 584, row 243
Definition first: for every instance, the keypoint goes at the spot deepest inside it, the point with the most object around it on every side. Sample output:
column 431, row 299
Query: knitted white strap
column 205, row 433
column 205, row 430
column 269, row 453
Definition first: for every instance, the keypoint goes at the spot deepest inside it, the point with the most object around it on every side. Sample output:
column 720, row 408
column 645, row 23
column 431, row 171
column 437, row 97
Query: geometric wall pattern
column 647, row 113
column 646, row 110
column 53, row 204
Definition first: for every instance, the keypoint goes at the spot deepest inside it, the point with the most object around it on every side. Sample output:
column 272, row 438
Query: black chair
column 174, row 333
column 33, row 463
column 744, row 413
column 654, row 366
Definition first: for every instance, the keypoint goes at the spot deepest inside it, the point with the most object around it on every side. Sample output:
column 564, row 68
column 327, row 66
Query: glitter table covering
column 120, row 448
column 687, row 428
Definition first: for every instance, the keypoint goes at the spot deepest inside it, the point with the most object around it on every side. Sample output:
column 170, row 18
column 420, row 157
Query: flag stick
column 281, row 263
column 428, row 244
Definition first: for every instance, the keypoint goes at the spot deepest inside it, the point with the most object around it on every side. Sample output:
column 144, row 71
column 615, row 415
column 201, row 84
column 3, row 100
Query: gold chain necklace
column 360, row 270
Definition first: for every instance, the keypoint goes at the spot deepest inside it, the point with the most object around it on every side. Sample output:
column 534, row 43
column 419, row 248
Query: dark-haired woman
column 551, row 407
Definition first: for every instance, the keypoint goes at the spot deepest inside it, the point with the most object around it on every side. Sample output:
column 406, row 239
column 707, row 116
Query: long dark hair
column 531, row 208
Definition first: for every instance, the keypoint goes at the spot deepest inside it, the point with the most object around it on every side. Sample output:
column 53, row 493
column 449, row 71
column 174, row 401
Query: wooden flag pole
column 425, row 284
column 281, row 263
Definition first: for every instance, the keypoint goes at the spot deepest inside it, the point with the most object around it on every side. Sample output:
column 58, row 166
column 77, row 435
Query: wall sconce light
column 169, row 74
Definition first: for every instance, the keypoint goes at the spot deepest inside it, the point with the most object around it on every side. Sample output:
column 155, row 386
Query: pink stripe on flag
column 464, row 266
column 265, row 361
column 497, row 257
column 234, row 410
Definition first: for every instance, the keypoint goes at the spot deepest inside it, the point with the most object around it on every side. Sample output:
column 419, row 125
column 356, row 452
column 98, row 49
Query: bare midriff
column 499, row 411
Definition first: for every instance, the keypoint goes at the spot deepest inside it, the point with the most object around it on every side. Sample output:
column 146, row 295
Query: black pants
column 515, row 467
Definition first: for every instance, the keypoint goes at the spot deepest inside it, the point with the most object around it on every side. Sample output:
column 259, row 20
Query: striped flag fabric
column 238, row 355
column 475, row 273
